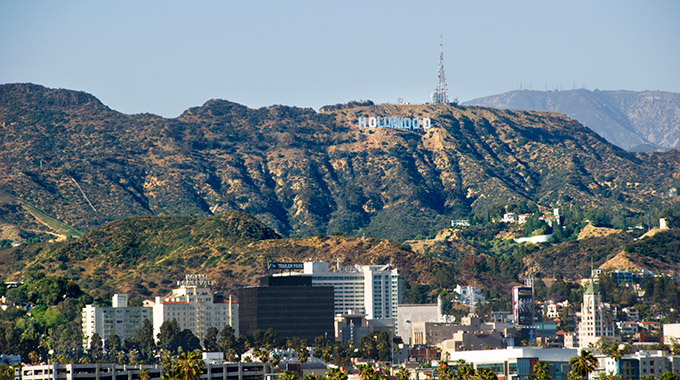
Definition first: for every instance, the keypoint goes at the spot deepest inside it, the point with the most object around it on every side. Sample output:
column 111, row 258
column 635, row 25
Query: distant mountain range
column 636, row 121
column 68, row 164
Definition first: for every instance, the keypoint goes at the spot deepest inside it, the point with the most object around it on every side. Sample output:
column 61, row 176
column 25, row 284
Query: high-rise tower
column 440, row 93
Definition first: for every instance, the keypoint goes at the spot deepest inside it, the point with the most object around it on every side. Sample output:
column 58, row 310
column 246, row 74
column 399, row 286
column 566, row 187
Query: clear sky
column 165, row 56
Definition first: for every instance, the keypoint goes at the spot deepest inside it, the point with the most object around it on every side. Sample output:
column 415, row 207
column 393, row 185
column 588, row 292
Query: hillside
column 635, row 121
column 145, row 256
column 303, row 172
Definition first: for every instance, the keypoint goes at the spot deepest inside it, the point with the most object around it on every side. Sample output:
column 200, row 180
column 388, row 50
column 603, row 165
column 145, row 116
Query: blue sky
column 163, row 57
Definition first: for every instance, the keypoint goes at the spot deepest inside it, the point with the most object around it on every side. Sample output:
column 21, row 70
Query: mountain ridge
column 303, row 172
column 633, row 120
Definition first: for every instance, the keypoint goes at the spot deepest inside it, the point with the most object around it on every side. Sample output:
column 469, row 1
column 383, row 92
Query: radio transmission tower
column 440, row 93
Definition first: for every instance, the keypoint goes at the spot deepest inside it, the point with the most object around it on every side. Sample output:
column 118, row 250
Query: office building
column 596, row 321
column 373, row 290
column 120, row 319
column 408, row 314
column 290, row 305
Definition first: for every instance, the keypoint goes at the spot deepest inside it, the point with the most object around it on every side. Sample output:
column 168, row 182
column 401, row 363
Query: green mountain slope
column 147, row 255
column 303, row 172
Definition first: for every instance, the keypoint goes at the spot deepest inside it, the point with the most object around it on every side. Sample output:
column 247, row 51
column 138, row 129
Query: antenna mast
column 440, row 93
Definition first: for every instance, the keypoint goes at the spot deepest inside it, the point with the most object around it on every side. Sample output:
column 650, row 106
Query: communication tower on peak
column 440, row 93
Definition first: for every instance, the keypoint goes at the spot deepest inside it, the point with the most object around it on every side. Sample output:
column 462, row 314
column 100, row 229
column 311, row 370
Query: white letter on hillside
column 372, row 122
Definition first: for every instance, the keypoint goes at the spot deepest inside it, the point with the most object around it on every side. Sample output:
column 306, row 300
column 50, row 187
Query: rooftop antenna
column 440, row 94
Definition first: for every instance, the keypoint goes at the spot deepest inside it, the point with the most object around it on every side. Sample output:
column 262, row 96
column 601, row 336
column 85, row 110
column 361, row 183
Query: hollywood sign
column 412, row 123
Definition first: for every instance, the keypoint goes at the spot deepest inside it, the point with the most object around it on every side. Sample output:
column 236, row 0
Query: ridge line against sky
column 163, row 57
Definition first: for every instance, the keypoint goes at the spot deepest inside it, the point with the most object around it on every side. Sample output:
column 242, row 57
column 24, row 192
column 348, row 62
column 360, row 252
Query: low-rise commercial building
column 408, row 314
column 433, row 333
column 99, row 371
column 518, row 363
column 108, row 371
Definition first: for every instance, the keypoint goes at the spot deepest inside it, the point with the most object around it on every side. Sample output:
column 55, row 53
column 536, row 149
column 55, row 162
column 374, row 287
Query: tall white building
column 596, row 321
column 195, row 308
column 373, row 290
column 120, row 319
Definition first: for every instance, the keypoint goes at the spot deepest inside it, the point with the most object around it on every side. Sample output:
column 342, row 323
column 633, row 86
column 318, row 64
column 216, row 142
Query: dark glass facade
column 292, row 308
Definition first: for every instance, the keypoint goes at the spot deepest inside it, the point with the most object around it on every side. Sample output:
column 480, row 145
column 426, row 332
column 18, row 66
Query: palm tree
column 367, row 372
column 583, row 364
column 188, row 366
column 541, row 370
column 263, row 355
column 445, row 372
column 326, row 353
column 290, row 375
column 487, row 374
column 466, row 372
column 403, row 374
column 302, row 354
column 336, row 374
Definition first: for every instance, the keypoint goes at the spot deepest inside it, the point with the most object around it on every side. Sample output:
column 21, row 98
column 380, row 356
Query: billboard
column 286, row 266
column 523, row 305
